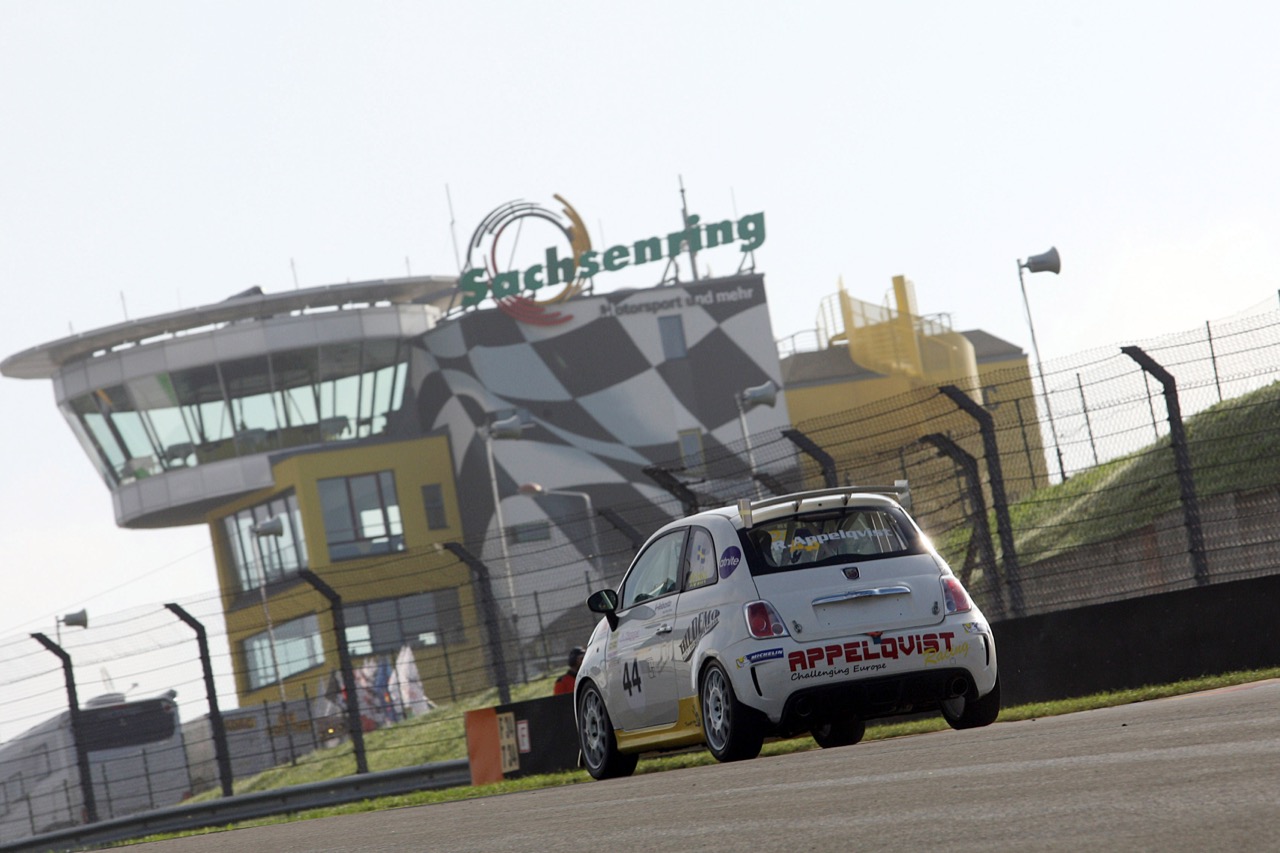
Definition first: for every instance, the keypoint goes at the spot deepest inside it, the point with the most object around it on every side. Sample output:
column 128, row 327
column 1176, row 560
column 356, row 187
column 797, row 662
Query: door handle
column 664, row 628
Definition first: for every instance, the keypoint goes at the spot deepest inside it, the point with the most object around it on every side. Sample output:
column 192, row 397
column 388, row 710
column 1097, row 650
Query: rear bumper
column 883, row 696
column 796, row 686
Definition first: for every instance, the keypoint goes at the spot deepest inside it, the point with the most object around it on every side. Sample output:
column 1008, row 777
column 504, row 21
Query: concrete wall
column 1154, row 639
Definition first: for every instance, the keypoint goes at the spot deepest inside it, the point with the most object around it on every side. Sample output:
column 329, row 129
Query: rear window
column 831, row 537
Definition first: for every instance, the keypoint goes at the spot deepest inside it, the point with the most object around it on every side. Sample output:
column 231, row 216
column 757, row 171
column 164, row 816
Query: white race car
column 811, row 612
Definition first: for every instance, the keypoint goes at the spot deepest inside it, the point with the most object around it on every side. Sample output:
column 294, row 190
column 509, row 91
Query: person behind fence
column 564, row 684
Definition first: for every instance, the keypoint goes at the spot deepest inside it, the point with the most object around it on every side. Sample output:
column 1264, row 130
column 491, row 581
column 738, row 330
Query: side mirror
column 605, row 601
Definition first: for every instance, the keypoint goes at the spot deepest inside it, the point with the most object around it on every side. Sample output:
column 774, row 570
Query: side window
column 361, row 515
column 702, row 560
column 656, row 572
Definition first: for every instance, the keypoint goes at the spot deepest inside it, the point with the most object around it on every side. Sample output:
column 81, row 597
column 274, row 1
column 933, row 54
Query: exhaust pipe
column 959, row 686
column 804, row 708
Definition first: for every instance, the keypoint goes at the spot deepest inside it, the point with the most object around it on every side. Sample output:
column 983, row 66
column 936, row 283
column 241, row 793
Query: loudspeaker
column 760, row 395
column 79, row 619
column 1044, row 262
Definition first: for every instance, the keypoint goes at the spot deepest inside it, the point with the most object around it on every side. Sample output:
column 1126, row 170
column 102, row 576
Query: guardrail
column 228, row 810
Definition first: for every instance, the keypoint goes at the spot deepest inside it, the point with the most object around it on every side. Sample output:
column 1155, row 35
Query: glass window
column 691, row 449
column 425, row 619
column 831, row 537
column 240, row 407
column 281, row 555
column 672, row 330
column 298, row 648
column 702, row 560
column 361, row 515
column 433, row 501
column 656, row 572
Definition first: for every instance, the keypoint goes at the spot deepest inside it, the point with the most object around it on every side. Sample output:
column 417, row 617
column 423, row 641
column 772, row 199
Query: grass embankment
column 881, row 731
column 1234, row 447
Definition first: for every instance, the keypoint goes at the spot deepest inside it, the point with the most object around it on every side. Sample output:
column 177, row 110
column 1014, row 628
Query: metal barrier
column 229, row 810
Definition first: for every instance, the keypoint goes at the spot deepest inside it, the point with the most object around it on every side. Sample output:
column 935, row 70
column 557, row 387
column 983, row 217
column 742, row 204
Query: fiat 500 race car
column 811, row 612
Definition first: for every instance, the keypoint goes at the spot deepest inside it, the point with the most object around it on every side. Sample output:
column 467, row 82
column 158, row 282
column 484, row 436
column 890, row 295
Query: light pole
column 269, row 527
column 1044, row 262
column 532, row 489
column 506, row 428
column 748, row 399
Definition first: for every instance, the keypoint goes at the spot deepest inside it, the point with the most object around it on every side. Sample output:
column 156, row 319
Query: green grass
column 1234, row 447
column 437, row 736
column 697, row 758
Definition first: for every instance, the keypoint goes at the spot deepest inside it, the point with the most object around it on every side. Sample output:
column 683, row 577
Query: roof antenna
column 124, row 307
column 453, row 231
column 294, row 267
column 684, row 211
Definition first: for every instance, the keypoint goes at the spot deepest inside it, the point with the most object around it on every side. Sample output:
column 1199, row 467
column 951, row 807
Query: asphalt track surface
column 1192, row 773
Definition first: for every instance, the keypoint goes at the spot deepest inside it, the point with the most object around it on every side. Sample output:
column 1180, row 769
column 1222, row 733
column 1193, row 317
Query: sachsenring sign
column 484, row 277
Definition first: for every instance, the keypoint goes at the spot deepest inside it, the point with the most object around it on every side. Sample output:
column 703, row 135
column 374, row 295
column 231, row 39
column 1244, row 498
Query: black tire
column 595, row 738
column 732, row 730
column 842, row 731
column 966, row 712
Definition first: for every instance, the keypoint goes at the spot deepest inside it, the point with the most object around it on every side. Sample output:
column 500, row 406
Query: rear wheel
column 595, row 736
column 732, row 730
column 968, row 712
column 843, row 731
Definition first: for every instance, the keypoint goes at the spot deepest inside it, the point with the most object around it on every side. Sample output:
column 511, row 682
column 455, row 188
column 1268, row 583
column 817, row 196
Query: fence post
column 1026, row 445
column 344, row 661
column 271, row 738
column 448, row 668
column 1181, row 461
column 220, row 751
column 678, row 490
column 1088, row 424
column 809, row 446
column 542, row 632
column 77, row 735
column 990, row 450
column 1213, row 359
column 982, row 528
column 622, row 526
column 489, row 613
column 1151, row 406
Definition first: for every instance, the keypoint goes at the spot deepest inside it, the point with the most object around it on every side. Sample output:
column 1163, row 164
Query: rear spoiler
column 899, row 491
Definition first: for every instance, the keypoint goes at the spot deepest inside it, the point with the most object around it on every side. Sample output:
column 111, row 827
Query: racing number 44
column 631, row 677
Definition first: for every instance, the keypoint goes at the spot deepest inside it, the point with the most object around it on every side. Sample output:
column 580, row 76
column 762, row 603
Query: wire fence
column 1041, row 498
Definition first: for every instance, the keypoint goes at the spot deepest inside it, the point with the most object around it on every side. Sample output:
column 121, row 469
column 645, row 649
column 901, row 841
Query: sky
column 163, row 155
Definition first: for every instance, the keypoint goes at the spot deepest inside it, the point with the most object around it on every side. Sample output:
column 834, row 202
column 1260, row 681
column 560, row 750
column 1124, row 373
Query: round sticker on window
column 729, row 560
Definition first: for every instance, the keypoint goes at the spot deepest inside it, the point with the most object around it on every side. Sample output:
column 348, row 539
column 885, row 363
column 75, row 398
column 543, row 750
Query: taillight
column 957, row 599
column 763, row 621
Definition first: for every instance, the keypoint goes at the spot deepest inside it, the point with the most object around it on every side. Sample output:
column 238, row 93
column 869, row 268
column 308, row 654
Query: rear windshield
column 829, row 538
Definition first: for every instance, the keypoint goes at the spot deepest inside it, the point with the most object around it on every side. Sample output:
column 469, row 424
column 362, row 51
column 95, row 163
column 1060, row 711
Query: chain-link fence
column 1093, row 492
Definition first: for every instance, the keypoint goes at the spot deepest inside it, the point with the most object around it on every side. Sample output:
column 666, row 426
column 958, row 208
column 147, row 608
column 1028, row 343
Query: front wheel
column 595, row 736
column 966, row 712
column 844, row 731
column 733, row 731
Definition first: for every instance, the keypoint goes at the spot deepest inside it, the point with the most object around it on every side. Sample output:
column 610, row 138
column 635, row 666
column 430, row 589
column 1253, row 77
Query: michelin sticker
column 757, row 657
column 729, row 560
